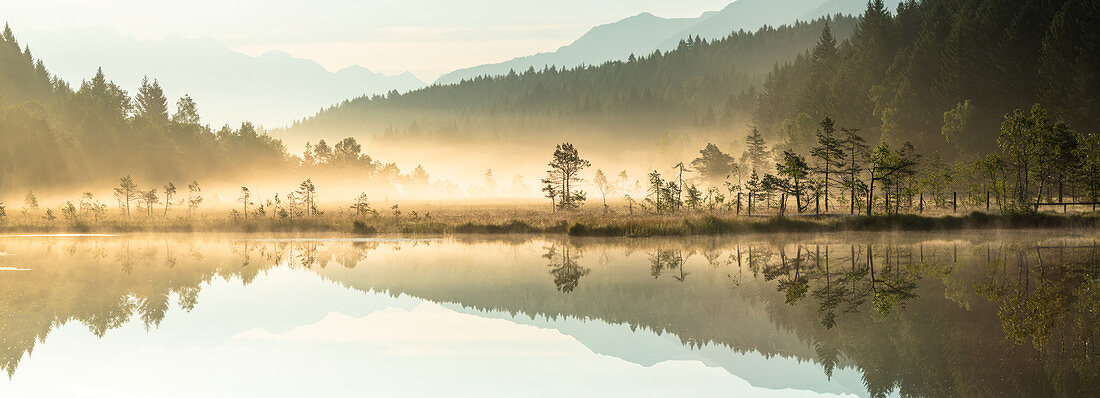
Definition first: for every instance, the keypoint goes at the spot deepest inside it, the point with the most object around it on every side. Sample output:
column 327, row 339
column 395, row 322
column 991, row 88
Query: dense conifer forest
column 709, row 84
column 53, row 134
column 941, row 74
column 59, row 137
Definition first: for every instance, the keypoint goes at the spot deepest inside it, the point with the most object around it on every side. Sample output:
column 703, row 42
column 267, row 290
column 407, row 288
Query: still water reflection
column 961, row 314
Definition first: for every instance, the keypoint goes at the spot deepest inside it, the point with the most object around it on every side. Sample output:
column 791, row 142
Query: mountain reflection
column 920, row 315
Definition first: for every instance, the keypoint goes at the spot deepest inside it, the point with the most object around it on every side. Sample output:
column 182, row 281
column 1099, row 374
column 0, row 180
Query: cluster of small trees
column 1040, row 160
column 130, row 197
column 1036, row 159
column 300, row 203
column 128, row 193
column 1038, row 163
column 135, row 201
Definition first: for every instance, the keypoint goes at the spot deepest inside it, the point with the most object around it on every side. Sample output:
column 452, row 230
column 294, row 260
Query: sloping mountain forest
column 60, row 138
column 705, row 84
column 940, row 74
column 943, row 74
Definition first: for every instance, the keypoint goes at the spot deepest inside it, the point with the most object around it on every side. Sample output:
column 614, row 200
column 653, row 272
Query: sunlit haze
column 425, row 37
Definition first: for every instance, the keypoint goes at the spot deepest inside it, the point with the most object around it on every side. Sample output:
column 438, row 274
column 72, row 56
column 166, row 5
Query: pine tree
column 656, row 185
column 169, row 190
column 566, row 166
column 245, row 199
column 150, row 102
column 855, row 155
column 755, row 188
column 126, row 192
column 828, row 155
column 756, row 151
column 818, row 98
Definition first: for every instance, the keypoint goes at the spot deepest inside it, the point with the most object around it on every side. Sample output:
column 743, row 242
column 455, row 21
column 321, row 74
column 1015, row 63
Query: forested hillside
column 52, row 134
column 943, row 73
column 272, row 89
column 702, row 83
column 57, row 138
column 939, row 73
column 645, row 32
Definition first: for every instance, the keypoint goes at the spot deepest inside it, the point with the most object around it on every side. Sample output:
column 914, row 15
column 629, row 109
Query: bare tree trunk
column 871, row 193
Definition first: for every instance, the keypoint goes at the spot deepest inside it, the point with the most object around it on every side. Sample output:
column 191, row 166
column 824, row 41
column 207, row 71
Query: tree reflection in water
column 920, row 315
column 564, row 268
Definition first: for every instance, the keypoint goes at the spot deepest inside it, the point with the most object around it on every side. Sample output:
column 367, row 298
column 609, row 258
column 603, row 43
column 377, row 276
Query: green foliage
column 362, row 206
column 694, row 197
column 828, row 156
column 793, row 172
column 756, row 152
column 955, row 123
column 30, row 202
column 1035, row 150
column 52, row 135
column 187, row 112
column 68, row 211
column 798, row 133
column 150, row 103
column 962, row 62
column 603, row 185
column 713, row 165
column 194, row 197
column 565, row 168
column 709, row 84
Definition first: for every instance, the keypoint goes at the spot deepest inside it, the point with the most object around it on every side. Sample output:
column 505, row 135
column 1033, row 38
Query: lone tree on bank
column 550, row 187
column 30, row 203
column 565, row 169
column 603, row 185
column 169, row 190
column 245, row 198
column 127, row 191
column 194, row 197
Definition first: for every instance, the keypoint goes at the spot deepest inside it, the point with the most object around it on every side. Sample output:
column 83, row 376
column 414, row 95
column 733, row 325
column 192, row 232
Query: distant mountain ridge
column 644, row 33
column 638, row 34
column 272, row 89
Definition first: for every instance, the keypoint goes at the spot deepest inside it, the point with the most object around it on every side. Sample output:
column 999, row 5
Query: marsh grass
column 535, row 220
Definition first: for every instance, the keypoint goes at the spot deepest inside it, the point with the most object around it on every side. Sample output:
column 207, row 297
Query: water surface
column 959, row 314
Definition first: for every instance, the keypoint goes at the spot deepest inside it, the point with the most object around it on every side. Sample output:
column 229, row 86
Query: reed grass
column 512, row 220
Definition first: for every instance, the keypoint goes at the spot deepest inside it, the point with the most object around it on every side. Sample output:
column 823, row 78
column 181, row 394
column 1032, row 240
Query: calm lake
column 973, row 313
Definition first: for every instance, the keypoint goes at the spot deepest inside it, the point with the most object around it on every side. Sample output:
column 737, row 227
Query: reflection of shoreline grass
column 576, row 224
column 710, row 225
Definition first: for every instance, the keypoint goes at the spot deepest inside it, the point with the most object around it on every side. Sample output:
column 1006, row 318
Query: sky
column 425, row 37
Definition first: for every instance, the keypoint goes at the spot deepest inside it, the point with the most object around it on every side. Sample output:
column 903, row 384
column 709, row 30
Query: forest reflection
column 916, row 314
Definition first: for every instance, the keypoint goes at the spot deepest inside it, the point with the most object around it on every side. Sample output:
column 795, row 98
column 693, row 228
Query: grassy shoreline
column 581, row 224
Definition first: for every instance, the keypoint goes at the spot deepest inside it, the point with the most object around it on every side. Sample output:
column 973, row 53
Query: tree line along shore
column 838, row 183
